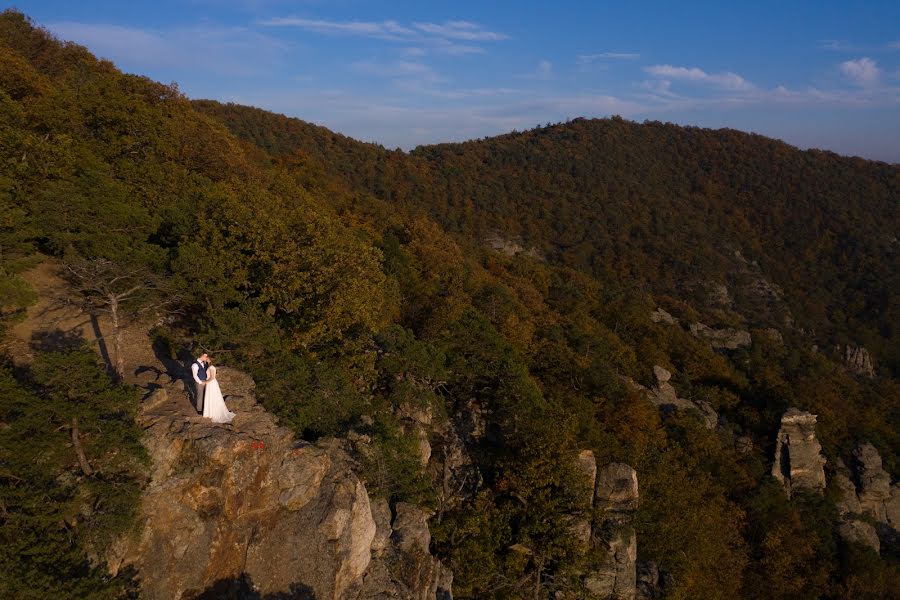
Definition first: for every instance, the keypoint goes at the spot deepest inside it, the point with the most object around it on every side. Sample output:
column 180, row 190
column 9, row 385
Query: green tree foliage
column 53, row 517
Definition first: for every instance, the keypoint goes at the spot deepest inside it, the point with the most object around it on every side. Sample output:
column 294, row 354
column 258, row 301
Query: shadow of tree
column 56, row 340
column 242, row 588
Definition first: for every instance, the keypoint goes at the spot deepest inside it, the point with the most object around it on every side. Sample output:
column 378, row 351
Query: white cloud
column 233, row 51
column 725, row 80
column 862, row 72
column 544, row 69
column 399, row 69
column 840, row 45
column 586, row 59
column 461, row 30
column 443, row 38
column 390, row 30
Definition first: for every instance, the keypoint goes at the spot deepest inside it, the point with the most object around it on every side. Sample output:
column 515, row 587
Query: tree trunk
column 117, row 338
column 79, row 451
column 538, row 582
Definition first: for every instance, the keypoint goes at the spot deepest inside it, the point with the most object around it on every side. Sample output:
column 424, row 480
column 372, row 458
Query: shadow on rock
column 242, row 588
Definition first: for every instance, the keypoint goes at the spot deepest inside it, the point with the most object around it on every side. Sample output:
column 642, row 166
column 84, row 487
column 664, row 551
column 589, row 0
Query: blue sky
column 816, row 74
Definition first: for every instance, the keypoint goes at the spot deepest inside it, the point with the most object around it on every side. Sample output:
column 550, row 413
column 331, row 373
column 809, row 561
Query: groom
column 198, row 368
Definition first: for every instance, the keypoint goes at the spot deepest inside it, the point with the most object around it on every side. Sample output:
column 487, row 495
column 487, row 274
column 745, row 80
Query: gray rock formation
column 617, row 496
column 719, row 294
column 617, row 489
column 248, row 500
column 722, row 339
column 509, row 247
column 873, row 482
column 381, row 514
column 859, row 361
column 744, row 444
column 421, row 574
column 867, row 491
column 661, row 316
column 848, row 501
column 587, row 464
column 859, row 532
column 616, row 577
column 664, row 396
column 652, row 583
column 799, row 463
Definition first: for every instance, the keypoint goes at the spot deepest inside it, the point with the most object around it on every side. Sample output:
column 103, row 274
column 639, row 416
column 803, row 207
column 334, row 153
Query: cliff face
column 246, row 507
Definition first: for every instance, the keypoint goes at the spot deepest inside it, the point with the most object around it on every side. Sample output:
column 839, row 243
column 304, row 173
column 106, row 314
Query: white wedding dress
column 213, row 402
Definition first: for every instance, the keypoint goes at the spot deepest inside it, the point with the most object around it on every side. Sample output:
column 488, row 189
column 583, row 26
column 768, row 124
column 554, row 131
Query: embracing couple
column 210, row 401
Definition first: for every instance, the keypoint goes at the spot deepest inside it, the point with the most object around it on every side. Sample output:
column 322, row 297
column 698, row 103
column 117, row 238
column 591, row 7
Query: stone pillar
column 799, row 463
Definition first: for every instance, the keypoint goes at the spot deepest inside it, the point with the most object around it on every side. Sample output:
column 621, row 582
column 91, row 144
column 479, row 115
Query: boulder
column 617, row 488
column 799, row 463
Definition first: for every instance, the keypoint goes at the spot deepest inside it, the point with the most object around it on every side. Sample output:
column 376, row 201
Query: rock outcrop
column 873, row 482
column 652, row 583
column 664, row 397
column 509, row 247
column 866, row 491
column 859, row 532
column 662, row 316
column 722, row 339
column 587, row 464
column 247, row 501
column 859, row 361
column 408, row 570
column 416, row 421
column 799, row 463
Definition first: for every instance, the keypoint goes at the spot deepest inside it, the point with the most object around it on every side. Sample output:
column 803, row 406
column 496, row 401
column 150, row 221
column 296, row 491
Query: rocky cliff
column 246, row 507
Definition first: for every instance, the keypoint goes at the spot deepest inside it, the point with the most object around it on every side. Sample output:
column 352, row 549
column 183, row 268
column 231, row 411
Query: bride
column 213, row 402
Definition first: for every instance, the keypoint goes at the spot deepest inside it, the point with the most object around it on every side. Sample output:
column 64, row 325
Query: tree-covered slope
column 657, row 206
column 353, row 283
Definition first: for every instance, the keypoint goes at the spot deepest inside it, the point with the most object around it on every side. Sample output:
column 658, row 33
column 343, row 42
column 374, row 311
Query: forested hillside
column 355, row 285
column 653, row 206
